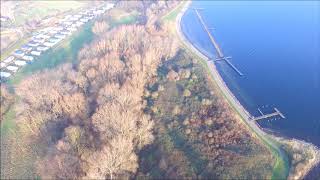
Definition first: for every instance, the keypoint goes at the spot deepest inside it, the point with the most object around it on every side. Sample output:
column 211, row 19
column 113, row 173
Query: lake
column 276, row 45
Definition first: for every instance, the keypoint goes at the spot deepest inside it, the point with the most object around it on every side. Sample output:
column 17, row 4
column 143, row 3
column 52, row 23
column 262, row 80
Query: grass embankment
column 172, row 15
column 282, row 163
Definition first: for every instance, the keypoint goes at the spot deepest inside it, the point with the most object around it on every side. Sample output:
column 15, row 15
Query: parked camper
column 71, row 29
column 33, row 44
column 53, row 32
column 4, row 74
column 49, row 44
column 79, row 23
column 18, row 53
column 54, row 40
column 42, row 48
column 39, row 40
column 68, row 23
column 12, row 68
column 20, row 63
column 2, row 64
column 28, row 58
column 9, row 59
column 36, row 53
column 84, row 20
column 66, row 32
column 60, row 36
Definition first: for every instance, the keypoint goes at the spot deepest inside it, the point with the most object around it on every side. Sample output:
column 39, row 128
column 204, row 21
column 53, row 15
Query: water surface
column 277, row 47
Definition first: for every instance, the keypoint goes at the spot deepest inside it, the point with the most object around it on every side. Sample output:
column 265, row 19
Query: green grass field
column 29, row 10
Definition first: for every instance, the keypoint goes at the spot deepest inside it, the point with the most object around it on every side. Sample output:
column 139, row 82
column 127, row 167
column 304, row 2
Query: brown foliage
column 90, row 117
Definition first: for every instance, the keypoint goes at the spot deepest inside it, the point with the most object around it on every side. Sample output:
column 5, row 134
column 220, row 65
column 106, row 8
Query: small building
column 9, row 59
column 27, row 58
column 20, row 63
column 26, row 48
column 4, row 74
column 42, row 48
column 36, row 53
column 12, row 68
column 33, row 44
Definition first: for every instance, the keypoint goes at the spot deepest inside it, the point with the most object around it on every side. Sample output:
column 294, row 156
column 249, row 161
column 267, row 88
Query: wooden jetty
column 220, row 55
column 265, row 116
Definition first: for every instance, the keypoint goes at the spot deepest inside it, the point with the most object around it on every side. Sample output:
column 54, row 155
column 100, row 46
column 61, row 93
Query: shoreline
column 269, row 139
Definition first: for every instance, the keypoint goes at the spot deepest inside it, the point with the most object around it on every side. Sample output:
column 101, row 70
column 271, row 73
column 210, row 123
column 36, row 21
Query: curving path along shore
column 282, row 162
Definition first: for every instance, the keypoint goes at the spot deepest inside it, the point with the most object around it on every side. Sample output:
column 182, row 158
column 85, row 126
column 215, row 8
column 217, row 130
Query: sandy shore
column 245, row 115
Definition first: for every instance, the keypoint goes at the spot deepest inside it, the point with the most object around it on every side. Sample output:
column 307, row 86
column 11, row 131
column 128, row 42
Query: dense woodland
column 133, row 105
column 86, row 120
column 197, row 134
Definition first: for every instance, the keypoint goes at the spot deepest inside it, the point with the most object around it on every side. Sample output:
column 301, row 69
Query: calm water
column 277, row 46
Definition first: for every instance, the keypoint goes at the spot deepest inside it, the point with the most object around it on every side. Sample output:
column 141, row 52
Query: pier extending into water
column 265, row 116
column 220, row 55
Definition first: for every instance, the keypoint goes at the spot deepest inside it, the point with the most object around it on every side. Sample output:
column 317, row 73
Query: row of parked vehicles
column 46, row 39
